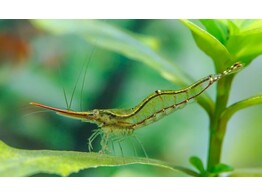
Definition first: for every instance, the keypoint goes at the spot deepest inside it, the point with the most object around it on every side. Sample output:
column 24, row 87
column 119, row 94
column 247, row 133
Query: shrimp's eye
column 95, row 112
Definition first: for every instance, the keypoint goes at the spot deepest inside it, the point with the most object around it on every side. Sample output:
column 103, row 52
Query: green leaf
column 211, row 46
column 244, row 23
column 121, row 41
column 246, row 172
column 195, row 161
column 17, row 162
column 220, row 168
column 217, row 28
column 231, row 110
column 233, row 28
column 246, row 45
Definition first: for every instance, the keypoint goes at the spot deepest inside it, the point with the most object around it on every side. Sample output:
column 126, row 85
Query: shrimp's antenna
column 85, row 72
column 83, row 83
column 63, row 86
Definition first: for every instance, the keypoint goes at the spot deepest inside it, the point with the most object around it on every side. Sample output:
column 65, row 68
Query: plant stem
column 218, row 129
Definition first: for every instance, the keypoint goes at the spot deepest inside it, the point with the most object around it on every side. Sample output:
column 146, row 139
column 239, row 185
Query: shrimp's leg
column 141, row 145
column 92, row 138
column 104, row 143
column 134, row 148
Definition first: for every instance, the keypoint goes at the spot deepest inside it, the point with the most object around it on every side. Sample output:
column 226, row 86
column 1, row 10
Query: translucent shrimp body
column 118, row 122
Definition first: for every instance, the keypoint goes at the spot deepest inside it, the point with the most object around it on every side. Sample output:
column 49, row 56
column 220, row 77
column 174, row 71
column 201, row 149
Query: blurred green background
column 35, row 66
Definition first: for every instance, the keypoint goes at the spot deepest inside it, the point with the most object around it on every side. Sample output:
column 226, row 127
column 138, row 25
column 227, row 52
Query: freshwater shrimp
column 122, row 122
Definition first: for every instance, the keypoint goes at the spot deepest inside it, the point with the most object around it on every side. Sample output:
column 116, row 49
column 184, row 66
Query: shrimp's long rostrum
column 151, row 109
